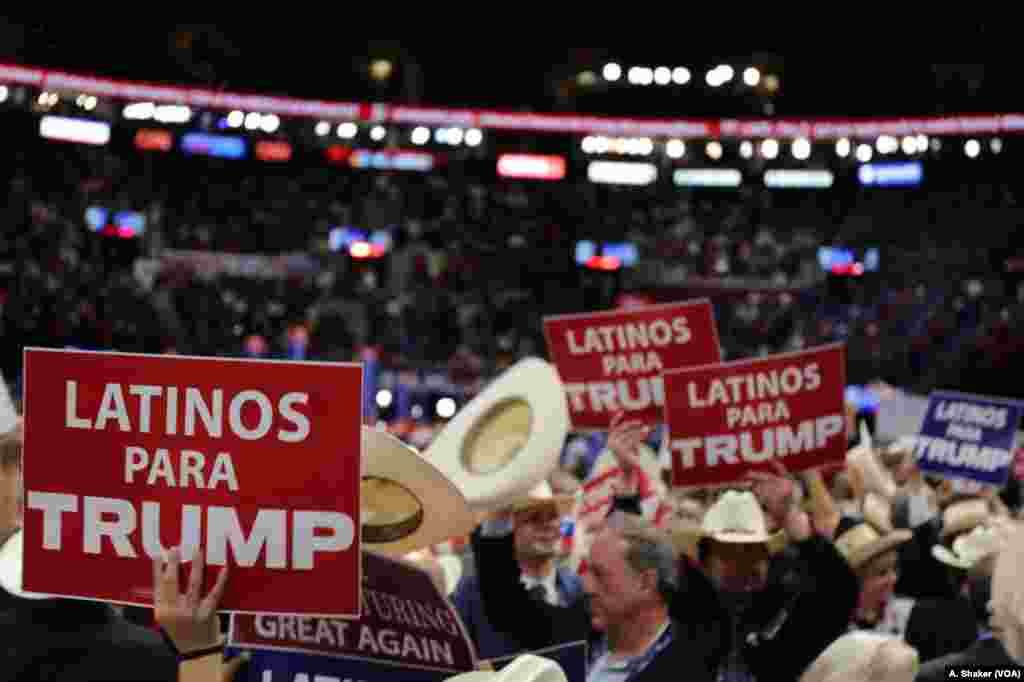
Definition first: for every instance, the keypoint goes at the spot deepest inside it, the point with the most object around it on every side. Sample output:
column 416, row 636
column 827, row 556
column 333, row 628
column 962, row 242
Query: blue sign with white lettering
column 967, row 436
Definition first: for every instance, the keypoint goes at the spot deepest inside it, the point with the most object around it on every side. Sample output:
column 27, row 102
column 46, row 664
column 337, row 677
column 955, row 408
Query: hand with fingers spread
column 190, row 620
column 777, row 494
column 624, row 440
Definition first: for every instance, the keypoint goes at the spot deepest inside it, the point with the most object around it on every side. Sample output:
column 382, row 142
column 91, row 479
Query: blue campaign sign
column 279, row 666
column 968, row 437
column 572, row 657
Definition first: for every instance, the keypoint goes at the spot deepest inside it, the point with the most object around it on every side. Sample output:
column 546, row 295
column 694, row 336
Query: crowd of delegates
column 474, row 265
column 865, row 571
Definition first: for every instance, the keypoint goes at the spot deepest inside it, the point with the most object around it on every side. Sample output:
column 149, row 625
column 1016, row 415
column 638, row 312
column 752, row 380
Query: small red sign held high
column 727, row 419
column 612, row 361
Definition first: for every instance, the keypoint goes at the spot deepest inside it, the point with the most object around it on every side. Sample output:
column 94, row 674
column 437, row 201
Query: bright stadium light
column 378, row 133
column 445, row 408
column 270, row 123
column 909, row 145
column 751, row 76
column 770, row 148
column 843, row 147
column 172, row 113
column 801, row 149
column 746, row 149
column 474, row 137
column 972, row 148
column 420, row 135
column 714, row 150
column 996, row 145
column 347, row 130
column 611, row 72
column 253, row 120
column 864, row 153
column 142, row 111
column 3, row 93
column 675, row 149
column 680, row 75
column 322, row 128
column 663, row 75
column 384, row 398
column 641, row 75
column 886, row 144
column 455, row 136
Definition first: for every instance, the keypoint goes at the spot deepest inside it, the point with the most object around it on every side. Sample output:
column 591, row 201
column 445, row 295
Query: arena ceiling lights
column 622, row 173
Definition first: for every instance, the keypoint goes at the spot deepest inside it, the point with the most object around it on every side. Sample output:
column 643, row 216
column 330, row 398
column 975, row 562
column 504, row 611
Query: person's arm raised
column 189, row 621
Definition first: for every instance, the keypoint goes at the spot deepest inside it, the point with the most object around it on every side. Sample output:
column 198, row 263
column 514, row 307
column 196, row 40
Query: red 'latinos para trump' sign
column 612, row 361
column 256, row 464
column 725, row 420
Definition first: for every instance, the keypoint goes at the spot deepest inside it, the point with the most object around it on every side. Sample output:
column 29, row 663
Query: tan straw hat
column 406, row 504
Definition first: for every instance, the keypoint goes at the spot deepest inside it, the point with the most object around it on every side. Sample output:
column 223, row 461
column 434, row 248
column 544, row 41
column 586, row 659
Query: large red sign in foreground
column 256, row 464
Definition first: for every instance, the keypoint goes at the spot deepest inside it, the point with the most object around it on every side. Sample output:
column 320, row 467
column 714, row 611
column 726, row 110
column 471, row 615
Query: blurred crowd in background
column 471, row 268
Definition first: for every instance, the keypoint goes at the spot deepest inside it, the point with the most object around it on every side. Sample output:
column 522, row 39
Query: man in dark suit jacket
column 537, row 539
column 490, row 642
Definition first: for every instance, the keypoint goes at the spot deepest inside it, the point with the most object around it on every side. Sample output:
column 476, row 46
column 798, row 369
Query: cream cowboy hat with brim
column 406, row 503
column 970, row 548
column 861, row 542
column 863, row 655
column 525, row 668
column 507, row 439
column 542, row 497
column 11, row 556
column 966, row 515
column 736, row 518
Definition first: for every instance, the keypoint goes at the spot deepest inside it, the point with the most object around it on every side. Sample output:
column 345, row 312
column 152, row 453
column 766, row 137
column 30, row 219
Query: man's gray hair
column 648, row 548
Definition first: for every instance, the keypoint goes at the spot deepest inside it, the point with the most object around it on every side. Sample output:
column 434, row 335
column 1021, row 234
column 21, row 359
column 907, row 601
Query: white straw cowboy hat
column 542, row 496
column 861, row 656
column 525, row 668
column 11, row 568
column 859, row 541
column 736, row 517
column 507, row 439
column 964, row 516
column 406, row 504
column 969, row 548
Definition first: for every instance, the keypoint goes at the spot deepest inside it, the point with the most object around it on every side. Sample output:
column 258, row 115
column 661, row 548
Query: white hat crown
column 736, row 513
column 525, row 668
